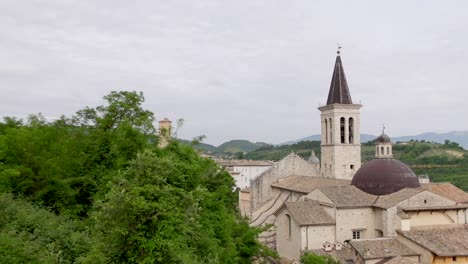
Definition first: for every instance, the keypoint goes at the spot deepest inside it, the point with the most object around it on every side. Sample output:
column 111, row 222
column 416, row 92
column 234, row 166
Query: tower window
column 342, row 130
column 351, row 166
column 388, row 150
column 326, row 131
column 382, row 151
column 331, row 131
column 351, row 131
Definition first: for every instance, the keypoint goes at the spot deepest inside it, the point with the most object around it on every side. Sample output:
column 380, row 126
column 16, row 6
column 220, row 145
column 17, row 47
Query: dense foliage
column 271, row 152
column 310, row 258
column 95, row 188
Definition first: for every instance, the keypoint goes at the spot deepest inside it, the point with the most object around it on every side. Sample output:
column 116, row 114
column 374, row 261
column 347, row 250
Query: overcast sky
column 253, row 69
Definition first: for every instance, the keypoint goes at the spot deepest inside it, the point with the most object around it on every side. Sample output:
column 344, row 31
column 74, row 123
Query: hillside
column 229, row 147
column 446, row 162
column 461, row 137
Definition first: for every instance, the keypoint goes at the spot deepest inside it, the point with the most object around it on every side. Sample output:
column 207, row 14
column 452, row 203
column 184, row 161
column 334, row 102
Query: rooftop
column 348, row 196
column 339, row 91
column 309, row 213
column 398, row 260
column 389, row 200
column 447, row 190
column 381, row 248
column 230, row 163
column 442, row 240
column 306, row 184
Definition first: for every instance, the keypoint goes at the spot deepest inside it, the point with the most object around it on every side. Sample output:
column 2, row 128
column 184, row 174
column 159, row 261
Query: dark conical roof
column 339, row 92
column 384, row 176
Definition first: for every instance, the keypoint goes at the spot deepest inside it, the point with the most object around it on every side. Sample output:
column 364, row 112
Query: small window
column 454, row 258
column 425, row 201
column 351, row 166
column 356, row 234
column 289, row 225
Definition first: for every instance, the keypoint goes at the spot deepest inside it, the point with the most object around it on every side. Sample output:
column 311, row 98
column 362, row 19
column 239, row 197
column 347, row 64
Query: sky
column 244, row 69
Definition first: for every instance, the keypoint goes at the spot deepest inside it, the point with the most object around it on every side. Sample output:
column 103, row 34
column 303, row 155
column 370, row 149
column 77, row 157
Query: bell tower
column 340, row 118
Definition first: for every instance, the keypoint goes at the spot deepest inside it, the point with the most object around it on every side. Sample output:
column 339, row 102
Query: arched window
column 382, row 151
column 388, row 150
column 351, row 130
column 342, row 130
column 326, row 131
column 331, row 131
column 288, row 219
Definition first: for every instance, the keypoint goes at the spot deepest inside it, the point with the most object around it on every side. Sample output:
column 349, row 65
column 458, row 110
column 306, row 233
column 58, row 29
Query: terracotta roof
column 348, row 196
column 339, row 91
column 381, row 248
column 398, row 260
column 389, row 200
column 309, row 213
column 447, row 190
column 306, row 184
column 442, row 240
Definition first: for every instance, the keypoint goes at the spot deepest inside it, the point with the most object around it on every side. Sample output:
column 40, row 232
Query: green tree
column 310, row 258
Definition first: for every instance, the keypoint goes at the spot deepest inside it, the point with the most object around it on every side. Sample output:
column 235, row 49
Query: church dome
column 383, row 138
column 384, row 176
column 313, row 159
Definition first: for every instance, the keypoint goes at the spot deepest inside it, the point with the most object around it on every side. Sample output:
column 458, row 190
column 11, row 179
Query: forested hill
column 96, row 188
column 446, row 162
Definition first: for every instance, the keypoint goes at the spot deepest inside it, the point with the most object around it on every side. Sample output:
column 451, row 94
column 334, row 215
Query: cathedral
column 377, row 212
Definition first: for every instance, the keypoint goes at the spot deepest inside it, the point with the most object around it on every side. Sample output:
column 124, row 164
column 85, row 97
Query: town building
column 378, row 212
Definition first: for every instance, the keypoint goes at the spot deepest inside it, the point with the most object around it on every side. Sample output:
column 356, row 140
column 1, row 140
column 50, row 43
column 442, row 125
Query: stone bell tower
column 165, row 132
column 340, row 118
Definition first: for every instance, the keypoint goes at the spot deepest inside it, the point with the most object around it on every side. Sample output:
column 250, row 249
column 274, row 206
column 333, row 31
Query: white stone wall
column 314, row 236
column 288, row 246
column 290, row 165
column 340, row 159
column 348, row 220
column 247, row 173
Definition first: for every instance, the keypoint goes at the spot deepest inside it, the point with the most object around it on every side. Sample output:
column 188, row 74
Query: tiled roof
column 306, row 184
column 345, row 255
column 389, row 200
column 398, row 260
column 348, row 196
column 447, row 190
column 443, row 240
column 381, row 248
column 309, row 213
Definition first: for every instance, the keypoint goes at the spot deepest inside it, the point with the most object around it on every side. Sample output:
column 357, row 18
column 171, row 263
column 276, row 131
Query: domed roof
column 383, row 138
column 313, row 159
column 384, row 176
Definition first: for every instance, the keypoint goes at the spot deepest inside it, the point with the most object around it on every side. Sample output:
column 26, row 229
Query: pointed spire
column 339, row 92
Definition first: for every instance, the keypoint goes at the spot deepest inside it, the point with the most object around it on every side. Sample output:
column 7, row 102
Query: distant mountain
column 235, row 146
column 364, row 138
column 461, row 137
column 232, row 146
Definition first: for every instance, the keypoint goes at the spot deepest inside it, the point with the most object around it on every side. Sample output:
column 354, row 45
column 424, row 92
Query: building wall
column 290, row 165
column 427, row 256
column 348, row 220
column 426, row 198
column 425, row 218
column 314, row 237
column 244, row 203
column 247, row 173
column 337, row 158
column 459, row 260
column 288, row 246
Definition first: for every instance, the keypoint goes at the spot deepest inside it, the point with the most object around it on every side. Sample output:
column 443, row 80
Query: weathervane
column 383, row 128
column 339, row 47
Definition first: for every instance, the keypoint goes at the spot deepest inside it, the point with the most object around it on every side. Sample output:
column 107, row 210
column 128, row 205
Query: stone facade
column 341, row 143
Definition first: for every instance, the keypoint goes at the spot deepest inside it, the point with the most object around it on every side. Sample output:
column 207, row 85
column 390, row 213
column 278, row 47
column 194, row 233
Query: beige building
column 244, row 171
column 347, row 210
